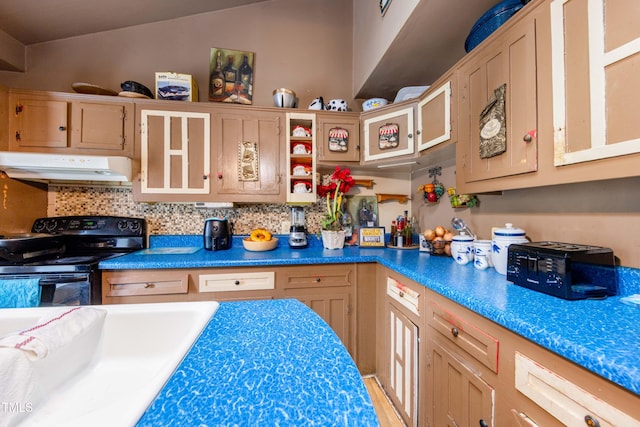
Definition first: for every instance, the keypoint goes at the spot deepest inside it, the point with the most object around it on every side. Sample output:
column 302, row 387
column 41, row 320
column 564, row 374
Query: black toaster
column 565, row 270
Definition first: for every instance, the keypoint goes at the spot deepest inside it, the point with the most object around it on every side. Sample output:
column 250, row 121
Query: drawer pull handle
column 149, row 285
column 590, row 421
column 62, row 128
column 455, row 332
column 483, row 423
column 317, row 280
column 237, row 282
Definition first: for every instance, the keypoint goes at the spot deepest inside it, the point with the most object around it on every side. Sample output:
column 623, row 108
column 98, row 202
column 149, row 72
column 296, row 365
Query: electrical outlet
column 286, row 225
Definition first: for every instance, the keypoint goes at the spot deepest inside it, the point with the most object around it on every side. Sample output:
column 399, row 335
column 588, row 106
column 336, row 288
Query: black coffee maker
column 218, row 233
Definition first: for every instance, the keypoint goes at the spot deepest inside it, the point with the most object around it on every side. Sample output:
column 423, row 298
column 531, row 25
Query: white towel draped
column 35, row 361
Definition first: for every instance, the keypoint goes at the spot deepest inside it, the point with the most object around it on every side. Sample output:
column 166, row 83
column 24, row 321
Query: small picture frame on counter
column 372, row 237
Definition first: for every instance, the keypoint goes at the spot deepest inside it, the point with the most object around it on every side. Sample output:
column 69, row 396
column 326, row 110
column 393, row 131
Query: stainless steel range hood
column 65, row 167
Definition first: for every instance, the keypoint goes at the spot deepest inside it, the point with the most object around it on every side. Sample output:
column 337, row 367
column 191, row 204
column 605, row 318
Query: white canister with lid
column 502, row 238
column 462, row 248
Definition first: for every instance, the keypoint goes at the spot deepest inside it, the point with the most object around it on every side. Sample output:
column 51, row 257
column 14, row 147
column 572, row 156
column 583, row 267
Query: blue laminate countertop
column 257, row 363
column 603, row 336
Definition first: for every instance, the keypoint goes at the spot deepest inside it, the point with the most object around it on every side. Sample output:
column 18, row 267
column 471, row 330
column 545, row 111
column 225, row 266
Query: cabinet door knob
column 590, row 421
column 529, row 136
column 483, row 423
column 149, row 285
column 410, row 135
column 454, row 331
column 317, row 280
column 62, row 128
column 237, row 282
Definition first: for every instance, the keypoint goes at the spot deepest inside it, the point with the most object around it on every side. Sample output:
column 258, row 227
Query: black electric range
column 63, row 253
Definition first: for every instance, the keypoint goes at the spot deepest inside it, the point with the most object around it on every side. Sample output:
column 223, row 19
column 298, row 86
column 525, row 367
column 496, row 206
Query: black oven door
column 61, row 288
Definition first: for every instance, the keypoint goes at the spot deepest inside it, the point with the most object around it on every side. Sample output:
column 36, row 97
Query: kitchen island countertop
column 599, row 335
column 264, row 363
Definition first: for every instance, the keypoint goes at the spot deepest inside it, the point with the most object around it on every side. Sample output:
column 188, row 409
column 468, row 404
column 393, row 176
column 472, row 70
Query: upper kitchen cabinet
column 389, row 134
column 437, row 114
column 596, row 85
column 67, row 123
column 175, row 154
column 248, row 154
column 498, row 109
column 338, row 137
column 102, row 126
column 570, row 69
column 301, row 154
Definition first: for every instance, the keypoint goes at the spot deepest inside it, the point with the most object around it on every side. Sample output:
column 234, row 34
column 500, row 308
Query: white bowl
column 372, row 103
column 260, row 245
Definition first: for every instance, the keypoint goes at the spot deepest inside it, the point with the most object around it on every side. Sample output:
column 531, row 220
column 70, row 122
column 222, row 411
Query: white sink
column 141, row 347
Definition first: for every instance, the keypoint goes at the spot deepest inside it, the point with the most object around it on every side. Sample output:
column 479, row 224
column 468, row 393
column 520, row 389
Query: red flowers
column 333, row 187
column 340, row 179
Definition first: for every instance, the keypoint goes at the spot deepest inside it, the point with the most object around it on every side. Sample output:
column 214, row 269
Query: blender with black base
column 298, row 229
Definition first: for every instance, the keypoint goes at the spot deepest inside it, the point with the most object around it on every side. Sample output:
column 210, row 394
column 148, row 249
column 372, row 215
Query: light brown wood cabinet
column 400, row 320
column 596, row 86
column 461, row 391
column 477, row 370
column 437, row 114
column 389, row 134
column 66, row 123
column 338, row 137
column 571, row 90
column 143, row 286
column 301, row 160
column 509, row 59
column 175, row 153
column 248, row 154
column 329, row 290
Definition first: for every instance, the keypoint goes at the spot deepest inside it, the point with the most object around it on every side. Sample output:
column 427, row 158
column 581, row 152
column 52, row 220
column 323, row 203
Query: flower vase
column 333, row 239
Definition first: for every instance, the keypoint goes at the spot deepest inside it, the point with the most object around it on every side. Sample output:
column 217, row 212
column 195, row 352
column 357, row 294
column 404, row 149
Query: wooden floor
column 386, row 414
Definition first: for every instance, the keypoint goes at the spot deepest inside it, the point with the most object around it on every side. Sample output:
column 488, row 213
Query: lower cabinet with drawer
column 400, row 317
column 174, row 285
column 236, row 284
column 481, row 374
column 329, row 291
column 462, row 366
column 143, row 286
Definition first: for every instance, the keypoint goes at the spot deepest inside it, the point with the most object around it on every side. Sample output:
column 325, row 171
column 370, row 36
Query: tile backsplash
column 172, row 218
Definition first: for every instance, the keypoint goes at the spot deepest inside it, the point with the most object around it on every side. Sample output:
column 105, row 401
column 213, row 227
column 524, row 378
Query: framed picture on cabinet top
column 231, row 74
column 384, row 5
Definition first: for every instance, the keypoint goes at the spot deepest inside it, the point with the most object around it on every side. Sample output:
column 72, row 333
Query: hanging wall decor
column 338, row 139
column 493, row 128
column 231, row 75
column 388, row 136
column 248, row 161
